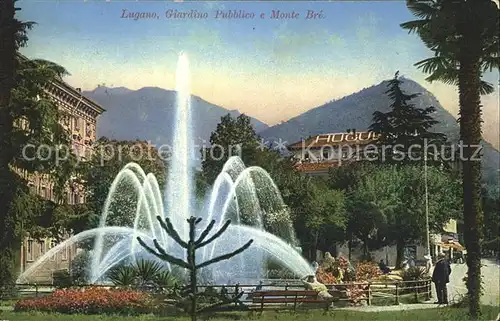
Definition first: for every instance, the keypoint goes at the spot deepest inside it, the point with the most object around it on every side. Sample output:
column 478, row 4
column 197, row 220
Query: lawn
column 489, row 313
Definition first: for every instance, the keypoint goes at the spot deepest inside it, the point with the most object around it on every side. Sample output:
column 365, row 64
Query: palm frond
column 488, row 63
column 414, row 26
column 485, row 88
column 436, row 64
column 422, row 9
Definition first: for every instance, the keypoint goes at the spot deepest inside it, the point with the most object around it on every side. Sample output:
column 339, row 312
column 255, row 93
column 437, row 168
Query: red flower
column 93, row 300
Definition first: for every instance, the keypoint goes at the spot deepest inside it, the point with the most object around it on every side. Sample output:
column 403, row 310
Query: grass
column 489, row 313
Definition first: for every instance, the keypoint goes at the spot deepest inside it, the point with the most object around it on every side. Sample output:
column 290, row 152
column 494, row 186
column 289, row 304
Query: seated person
column 311, row 283
column 384, row 268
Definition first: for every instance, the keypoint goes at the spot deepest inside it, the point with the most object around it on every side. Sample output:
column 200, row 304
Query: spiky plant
column 193, row 244
column 146, row 271
column 122, row 275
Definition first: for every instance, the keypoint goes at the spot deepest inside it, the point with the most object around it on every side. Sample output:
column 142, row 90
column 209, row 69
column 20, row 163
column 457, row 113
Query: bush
column 366, row 271
column 62, row 279
column 413, row 274
column 79, row 269
column 91, row 300
column 143, row 273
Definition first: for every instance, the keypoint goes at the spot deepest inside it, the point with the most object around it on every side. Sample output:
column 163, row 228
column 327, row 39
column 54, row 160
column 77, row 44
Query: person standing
column 441, row 277
column 428, row 264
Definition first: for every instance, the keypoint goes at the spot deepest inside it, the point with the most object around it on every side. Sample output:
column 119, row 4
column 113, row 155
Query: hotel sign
column 346, row 137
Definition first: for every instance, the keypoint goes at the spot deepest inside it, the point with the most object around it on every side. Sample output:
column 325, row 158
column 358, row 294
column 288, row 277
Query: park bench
column 286, row 299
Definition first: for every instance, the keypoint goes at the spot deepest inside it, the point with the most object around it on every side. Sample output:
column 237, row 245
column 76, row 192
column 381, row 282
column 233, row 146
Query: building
column 316, row 155
column 79, row 118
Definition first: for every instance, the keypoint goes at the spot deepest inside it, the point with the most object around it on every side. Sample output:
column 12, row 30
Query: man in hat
column 441, row 277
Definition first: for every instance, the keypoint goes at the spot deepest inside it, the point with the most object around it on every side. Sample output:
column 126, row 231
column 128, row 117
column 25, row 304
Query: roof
column 316, row 167
column 335, row 139
column 89, row 102
column 74, row 92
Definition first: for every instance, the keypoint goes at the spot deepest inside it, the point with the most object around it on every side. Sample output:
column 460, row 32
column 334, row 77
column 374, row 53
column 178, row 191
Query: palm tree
column 463, row 34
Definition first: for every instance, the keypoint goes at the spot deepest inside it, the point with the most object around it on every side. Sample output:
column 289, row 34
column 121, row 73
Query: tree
column 191, row 265
column 491, row 227
column 408, row 222
column 386, row 203
column 364, row 219
column 231, row 137
column 318, row 213
column 372, row 200
column 405, row 126
column 464, row 37
column 319, row 217
column 108, row 160
column 28, row 118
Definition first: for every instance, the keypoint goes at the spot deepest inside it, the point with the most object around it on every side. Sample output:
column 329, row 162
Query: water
column 246, row 196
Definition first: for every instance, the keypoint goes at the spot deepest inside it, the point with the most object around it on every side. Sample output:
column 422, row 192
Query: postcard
column 240, row 155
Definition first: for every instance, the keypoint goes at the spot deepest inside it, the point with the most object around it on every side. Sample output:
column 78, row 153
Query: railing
column 373, row 293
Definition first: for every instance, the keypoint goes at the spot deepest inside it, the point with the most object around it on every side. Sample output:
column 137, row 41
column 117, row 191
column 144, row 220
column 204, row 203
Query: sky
column 270, row 69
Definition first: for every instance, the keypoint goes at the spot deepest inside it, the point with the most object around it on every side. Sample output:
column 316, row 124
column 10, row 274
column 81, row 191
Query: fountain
column 247, row 196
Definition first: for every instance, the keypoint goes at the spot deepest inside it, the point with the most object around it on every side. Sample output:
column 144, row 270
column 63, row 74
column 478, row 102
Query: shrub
column 414, row 274
column 62, row 279
column 143, row 273
column 122, row 275
column 91, row 300
column 366, row 271
column 79, row 268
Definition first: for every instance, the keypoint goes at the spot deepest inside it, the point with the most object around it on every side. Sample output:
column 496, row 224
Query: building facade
column 316, row 155
column 79, row 118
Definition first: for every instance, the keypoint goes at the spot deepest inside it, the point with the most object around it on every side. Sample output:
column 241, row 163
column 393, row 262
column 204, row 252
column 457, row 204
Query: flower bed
column 93, row 300
column 340, row 272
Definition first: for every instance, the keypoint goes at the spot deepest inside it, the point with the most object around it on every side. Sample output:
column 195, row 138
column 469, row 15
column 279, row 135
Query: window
column 77, row 198
column 64, row 254
column 77, row 124
column 344, row 154
column 88, row 130
column 52, row 245
column 29, row 251
column 41, row 247
column 306, row 156
column 326, row 155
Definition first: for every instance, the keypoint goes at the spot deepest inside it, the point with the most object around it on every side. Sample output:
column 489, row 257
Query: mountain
column 148, row 114
column 356, row 111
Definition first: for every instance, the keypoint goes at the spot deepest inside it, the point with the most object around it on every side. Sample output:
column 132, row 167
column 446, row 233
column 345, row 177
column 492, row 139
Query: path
column 400, row 307
column 491, row 282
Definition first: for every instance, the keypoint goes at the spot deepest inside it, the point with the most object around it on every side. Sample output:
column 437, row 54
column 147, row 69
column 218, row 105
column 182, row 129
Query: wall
column 79, row 118
column 32, row 250
column 389, row 253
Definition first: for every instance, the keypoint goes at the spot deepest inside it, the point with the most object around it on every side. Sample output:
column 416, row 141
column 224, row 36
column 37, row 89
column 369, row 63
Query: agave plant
column 165, row 279
column 123, row 275
column 146, row 271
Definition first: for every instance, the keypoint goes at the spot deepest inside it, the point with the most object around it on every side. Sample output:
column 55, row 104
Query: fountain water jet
column 246, row 195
